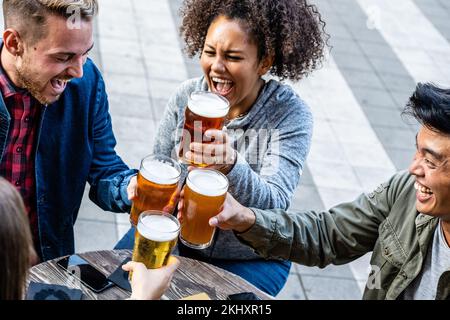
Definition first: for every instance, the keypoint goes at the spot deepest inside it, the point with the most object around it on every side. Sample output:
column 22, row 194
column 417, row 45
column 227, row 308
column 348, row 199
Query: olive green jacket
column 385, row 221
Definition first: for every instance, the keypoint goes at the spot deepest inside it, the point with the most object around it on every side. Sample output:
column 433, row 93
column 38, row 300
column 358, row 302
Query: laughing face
column 431, row 167
column 45, row 67
column 230, row 63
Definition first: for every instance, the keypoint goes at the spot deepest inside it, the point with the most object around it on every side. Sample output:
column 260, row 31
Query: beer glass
column 204, row 196
column 157, row 184
column 156, row 236
column 205, row 110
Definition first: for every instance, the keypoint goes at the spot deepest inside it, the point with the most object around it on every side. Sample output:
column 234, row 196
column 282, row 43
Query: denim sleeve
column 111, row 194
column 109, row 175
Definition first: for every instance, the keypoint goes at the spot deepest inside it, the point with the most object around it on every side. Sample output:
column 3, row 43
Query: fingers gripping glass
column 205, row 110
column 204, row 196
column 157, row 184
column 156, row 236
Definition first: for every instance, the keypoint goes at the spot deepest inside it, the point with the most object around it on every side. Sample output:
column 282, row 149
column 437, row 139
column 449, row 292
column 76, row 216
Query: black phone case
column 120, row 277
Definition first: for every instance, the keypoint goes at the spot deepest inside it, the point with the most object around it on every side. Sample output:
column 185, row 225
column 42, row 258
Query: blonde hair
column 16, row 245
column 28, row 17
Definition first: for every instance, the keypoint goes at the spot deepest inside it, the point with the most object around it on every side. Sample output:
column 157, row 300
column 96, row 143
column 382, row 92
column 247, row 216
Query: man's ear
column 265, row 64
column 12, row 42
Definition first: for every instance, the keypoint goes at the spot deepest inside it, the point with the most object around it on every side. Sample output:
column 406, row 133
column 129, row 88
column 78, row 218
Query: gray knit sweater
column 272, row 141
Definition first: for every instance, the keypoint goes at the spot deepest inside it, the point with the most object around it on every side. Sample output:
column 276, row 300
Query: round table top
column 192, row 277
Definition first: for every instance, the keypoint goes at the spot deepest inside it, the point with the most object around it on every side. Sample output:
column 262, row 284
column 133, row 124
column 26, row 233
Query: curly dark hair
column 291, row 30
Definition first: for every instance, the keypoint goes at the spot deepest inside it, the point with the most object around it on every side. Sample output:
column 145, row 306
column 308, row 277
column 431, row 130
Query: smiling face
column 230, row 63
column 45, row 67
column 431, row 166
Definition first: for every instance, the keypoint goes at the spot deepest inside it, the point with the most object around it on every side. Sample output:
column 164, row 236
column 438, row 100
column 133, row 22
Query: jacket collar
column 422, row 219
column 425, row 226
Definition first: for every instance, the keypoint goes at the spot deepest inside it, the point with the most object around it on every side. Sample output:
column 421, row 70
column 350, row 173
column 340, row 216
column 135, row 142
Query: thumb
column 129, row 266
column 218, row 220
column 130, row 193
column 173, row 261
column 172, row 264
column 214, row 221
column 132, row 188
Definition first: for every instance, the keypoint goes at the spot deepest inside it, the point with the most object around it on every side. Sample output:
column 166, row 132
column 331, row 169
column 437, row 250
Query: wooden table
column 192, row 277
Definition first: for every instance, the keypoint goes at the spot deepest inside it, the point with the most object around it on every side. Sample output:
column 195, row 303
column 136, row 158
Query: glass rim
column 176, row 165
column 147, row 213
column 224, row 189
column 203, row 92
column 218, row 111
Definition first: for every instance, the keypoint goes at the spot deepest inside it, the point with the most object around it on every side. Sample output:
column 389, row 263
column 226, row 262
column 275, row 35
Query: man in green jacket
column 405, row 221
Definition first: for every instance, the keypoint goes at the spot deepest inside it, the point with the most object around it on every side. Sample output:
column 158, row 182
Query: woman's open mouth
column 423, row 193
column 222, row 86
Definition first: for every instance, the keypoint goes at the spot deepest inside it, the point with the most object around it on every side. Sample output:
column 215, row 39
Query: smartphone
column 86, row 273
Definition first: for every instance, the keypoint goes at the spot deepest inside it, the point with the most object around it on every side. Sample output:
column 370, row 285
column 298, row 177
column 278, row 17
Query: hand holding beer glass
column 157, row 184
column 156, row 236
column 204, row 195
column 205, row 111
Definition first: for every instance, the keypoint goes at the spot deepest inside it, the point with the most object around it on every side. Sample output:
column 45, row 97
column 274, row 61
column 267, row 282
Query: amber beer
column 204, row 196
column 157, row 183
column 205, row 110
column 156, row 236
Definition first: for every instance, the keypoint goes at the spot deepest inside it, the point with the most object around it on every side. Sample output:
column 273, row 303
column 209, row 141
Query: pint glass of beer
column 205, row 110
column 156, row 236
column 157, row 183
column 204, row 196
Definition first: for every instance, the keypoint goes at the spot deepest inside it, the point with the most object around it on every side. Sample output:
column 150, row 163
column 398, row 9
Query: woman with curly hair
column 269, row 127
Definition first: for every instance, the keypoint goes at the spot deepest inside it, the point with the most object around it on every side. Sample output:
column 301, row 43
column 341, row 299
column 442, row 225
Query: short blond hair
column 28, row 17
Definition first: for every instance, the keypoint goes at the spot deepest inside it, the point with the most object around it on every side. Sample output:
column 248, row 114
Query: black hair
column 430, row 106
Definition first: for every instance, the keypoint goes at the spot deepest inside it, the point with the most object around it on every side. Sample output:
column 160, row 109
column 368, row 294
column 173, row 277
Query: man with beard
column 55, row 128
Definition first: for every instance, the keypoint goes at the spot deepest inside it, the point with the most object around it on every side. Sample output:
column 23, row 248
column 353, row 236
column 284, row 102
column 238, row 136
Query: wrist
column 229, row 163
column 248, row 218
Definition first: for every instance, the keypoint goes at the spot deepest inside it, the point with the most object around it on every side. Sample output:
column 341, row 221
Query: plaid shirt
column 17, row 164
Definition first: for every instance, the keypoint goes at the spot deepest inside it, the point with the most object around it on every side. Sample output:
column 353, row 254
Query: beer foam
column 159, row 172
column 158, row 228
column 210, row 183
column 208, row 104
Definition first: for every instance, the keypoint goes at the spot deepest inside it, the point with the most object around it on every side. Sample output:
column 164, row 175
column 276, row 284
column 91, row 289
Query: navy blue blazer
column 75, row 145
